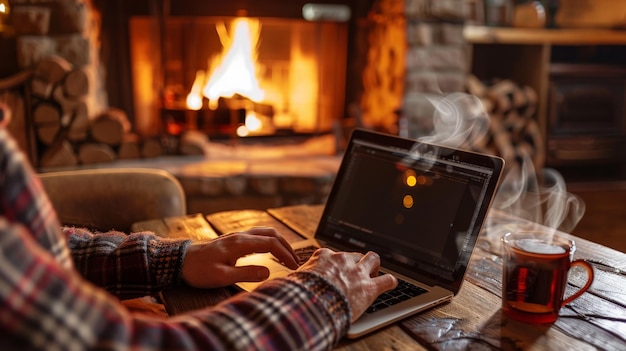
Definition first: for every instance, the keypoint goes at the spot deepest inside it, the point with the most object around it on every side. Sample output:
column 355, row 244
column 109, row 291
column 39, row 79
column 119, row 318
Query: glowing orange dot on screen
column 409, row 177
column 407, row 201
column 411, row 181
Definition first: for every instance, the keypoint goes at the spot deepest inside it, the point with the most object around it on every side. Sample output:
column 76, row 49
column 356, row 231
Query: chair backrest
column 112, row 198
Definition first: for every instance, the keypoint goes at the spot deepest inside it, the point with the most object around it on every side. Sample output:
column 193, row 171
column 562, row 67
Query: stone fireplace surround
column 398, row 51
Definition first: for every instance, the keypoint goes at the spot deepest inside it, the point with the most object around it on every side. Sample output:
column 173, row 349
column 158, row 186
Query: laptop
column 420, row 206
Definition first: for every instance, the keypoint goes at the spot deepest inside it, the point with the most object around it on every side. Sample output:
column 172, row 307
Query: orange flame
column 194, row 98
column 4, row 7
column 235, row 71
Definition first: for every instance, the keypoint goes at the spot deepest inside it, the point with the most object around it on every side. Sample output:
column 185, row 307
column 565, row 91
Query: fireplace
column 353, row 63
column 369, row 64
column 239, row 75
column 300, row 54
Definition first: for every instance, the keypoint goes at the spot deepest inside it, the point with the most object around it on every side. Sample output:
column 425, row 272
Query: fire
column 278, row 93
column 194, row 98
column 4, row 7
column 235, row 71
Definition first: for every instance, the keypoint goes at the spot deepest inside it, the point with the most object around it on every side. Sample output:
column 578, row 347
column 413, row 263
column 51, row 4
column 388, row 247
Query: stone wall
column 415, row 48
column 250, row 176
column 437, row 59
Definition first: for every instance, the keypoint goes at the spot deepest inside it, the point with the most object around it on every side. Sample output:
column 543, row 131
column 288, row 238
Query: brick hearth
column 213, row 186
column 246, row 176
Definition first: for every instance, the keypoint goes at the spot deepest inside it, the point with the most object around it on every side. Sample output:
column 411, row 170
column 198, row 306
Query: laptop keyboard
column 402, row 292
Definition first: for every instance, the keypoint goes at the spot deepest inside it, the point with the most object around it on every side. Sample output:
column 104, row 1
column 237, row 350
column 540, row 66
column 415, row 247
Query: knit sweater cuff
column 167, row 261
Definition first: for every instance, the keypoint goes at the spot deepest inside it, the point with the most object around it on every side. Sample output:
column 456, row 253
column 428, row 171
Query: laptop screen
column 419, row 206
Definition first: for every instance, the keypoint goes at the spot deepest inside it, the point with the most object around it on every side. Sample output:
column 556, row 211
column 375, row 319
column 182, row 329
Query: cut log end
column 91, row 153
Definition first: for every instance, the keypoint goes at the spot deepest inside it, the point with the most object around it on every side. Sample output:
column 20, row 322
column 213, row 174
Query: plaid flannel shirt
column 46, row 302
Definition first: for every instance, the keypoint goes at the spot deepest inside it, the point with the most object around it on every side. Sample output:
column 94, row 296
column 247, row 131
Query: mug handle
column 587, row 266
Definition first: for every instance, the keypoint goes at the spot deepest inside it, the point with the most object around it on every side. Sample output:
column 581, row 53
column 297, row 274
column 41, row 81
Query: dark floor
column 604, row 220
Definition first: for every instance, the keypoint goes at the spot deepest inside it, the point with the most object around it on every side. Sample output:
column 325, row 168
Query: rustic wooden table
column 473, row 319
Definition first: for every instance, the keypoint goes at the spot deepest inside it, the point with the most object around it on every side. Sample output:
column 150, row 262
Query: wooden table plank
column 240, row 220
column 608, row 317
column 303, row 219
column 437, row 329
column 474, row 319
column 389, row 338
column 597, row 317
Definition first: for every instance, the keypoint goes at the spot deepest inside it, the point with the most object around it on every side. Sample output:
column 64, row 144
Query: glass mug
column 534, row 276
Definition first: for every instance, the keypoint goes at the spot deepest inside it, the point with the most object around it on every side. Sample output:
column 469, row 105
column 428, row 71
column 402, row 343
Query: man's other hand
column 211, row 264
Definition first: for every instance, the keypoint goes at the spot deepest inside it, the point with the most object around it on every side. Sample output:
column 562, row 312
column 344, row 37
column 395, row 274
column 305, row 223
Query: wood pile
column 67, row 135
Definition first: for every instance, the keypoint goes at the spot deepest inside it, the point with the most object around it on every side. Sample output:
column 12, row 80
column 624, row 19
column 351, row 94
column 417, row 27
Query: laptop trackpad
column 277, row 270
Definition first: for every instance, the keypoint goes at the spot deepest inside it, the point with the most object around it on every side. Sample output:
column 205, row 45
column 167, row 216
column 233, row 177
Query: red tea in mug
column 534, row 276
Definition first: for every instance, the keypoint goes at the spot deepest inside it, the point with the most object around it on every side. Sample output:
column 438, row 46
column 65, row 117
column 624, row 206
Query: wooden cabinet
column 580, row 78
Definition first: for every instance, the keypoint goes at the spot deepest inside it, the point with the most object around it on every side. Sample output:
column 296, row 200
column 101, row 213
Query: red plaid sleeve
column 23, row 200
column 127, row 266
column 45, row 306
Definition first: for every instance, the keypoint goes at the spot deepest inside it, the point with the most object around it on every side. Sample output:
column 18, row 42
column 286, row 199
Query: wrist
column 328, row 296
column 179, row 250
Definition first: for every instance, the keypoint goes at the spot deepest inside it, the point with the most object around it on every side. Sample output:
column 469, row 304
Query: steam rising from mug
column 459, row 120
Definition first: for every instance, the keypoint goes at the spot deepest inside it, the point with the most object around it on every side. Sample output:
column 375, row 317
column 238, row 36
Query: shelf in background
column 505, row 35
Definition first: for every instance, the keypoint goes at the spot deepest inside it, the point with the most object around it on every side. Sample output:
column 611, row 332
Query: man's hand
column 211, row 264
column 356, row 275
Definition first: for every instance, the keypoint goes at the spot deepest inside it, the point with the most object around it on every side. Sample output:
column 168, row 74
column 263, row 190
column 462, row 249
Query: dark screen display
column 418, row 212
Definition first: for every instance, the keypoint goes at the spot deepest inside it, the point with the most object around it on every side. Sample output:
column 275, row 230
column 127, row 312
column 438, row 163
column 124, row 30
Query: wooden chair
column 112, row 198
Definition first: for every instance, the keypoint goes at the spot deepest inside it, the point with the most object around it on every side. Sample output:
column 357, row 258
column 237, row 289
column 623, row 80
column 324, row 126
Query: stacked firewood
column 65, row 132
column 68, row 135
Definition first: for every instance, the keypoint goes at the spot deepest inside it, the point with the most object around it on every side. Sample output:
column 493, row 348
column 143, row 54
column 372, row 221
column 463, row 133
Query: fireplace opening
column 321, row 66
column 137, row 63
column 237, row 76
